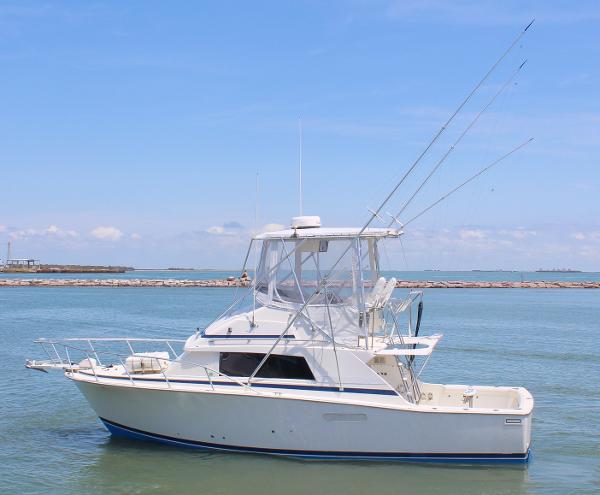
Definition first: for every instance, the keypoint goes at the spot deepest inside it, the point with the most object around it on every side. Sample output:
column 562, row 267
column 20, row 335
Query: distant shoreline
column 21, row 269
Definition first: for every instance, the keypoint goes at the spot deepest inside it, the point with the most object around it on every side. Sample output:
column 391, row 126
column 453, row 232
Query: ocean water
column 546, row 340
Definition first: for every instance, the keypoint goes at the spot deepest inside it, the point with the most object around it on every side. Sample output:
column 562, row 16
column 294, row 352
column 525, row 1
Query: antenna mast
column 256, row 206
column 253, row 323
column 300, row 164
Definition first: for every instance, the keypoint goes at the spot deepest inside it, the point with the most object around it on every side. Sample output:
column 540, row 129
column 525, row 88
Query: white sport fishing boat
column 318, row 365
column 316, row 359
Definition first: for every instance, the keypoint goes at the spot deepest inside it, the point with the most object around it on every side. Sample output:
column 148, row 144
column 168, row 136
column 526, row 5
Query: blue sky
column 132, row 132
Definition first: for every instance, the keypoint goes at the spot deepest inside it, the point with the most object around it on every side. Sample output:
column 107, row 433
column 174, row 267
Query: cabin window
column 276, row 365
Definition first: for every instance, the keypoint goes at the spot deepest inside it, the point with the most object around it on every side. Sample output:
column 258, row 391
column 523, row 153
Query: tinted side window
column 276, row 366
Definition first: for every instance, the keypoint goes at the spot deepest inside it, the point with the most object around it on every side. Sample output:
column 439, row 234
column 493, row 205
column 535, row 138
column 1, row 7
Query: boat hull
column 306, row 428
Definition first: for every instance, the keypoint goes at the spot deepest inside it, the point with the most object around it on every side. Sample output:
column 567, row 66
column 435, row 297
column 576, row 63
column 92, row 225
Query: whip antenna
column 253, row 322
column 300, row 164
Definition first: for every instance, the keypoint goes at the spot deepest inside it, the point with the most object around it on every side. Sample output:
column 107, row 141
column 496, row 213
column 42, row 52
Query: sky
column 134, row 132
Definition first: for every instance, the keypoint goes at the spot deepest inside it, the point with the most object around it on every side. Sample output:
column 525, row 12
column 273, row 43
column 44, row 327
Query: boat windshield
column 291, row 270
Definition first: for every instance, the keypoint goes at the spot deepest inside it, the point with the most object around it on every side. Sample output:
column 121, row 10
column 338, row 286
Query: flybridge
column 333, row 232
column 310, row 227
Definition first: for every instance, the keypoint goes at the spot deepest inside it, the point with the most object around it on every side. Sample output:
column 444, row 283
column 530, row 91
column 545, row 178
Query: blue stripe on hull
column 315, row 388
column 128, row 432
column 246, row 336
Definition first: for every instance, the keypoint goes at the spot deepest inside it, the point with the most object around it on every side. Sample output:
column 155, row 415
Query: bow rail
column 92, row 361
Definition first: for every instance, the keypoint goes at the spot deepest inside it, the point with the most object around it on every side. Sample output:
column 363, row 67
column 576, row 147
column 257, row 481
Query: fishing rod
column 375, row 213
column 458, row 140
column 470, row 179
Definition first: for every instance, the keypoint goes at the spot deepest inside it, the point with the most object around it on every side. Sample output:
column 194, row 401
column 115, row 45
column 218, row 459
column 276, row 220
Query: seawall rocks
column 402, row 284
column 464, row 284
column 53, row 282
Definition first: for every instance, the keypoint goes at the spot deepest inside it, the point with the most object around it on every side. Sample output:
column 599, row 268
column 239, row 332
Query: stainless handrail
column 65, row 343
column 104, row 339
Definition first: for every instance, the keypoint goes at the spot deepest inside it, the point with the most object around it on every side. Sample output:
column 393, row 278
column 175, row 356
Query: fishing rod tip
column 521, row 66
column 529, row 25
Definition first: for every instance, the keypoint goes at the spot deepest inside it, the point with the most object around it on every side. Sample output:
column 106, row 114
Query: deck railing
column 92, row 354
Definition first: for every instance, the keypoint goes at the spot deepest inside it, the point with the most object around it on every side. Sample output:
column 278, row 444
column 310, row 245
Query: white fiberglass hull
column 307, row 428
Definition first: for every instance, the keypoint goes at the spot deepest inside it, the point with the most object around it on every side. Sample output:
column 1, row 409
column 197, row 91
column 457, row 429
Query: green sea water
column 546, row 340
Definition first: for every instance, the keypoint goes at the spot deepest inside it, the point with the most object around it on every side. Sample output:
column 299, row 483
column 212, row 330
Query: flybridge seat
column 381, row 293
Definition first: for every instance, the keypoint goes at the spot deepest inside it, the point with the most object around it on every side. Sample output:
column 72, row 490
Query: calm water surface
column 546, row 340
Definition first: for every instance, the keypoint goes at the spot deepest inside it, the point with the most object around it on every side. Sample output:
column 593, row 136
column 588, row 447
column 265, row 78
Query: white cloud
column 216, row 230
column 472, row 234
column 52, row 232
column 107, row 233
column 488, row 247
column 521, row 233
column 447, row 247
column 22, row 234
column 231, row 228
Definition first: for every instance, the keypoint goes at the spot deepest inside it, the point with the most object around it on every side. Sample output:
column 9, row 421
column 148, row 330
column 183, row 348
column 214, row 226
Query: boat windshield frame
column 291, row 268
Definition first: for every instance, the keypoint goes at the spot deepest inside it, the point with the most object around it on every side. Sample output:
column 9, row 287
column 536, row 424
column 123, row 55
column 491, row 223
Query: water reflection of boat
column 116, row 464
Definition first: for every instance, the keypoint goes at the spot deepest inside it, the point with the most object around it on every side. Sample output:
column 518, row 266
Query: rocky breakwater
column 116, row 282
column 469, row 284
column 217, row 283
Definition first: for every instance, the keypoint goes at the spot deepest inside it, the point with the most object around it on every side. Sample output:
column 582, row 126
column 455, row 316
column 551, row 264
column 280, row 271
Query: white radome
column 306, row 222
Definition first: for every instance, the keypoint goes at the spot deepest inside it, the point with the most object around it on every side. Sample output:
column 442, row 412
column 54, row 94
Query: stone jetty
column 118, row 282
column 217, row 283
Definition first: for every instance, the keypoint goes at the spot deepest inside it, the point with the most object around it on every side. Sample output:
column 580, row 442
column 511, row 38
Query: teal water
column 546, row 340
